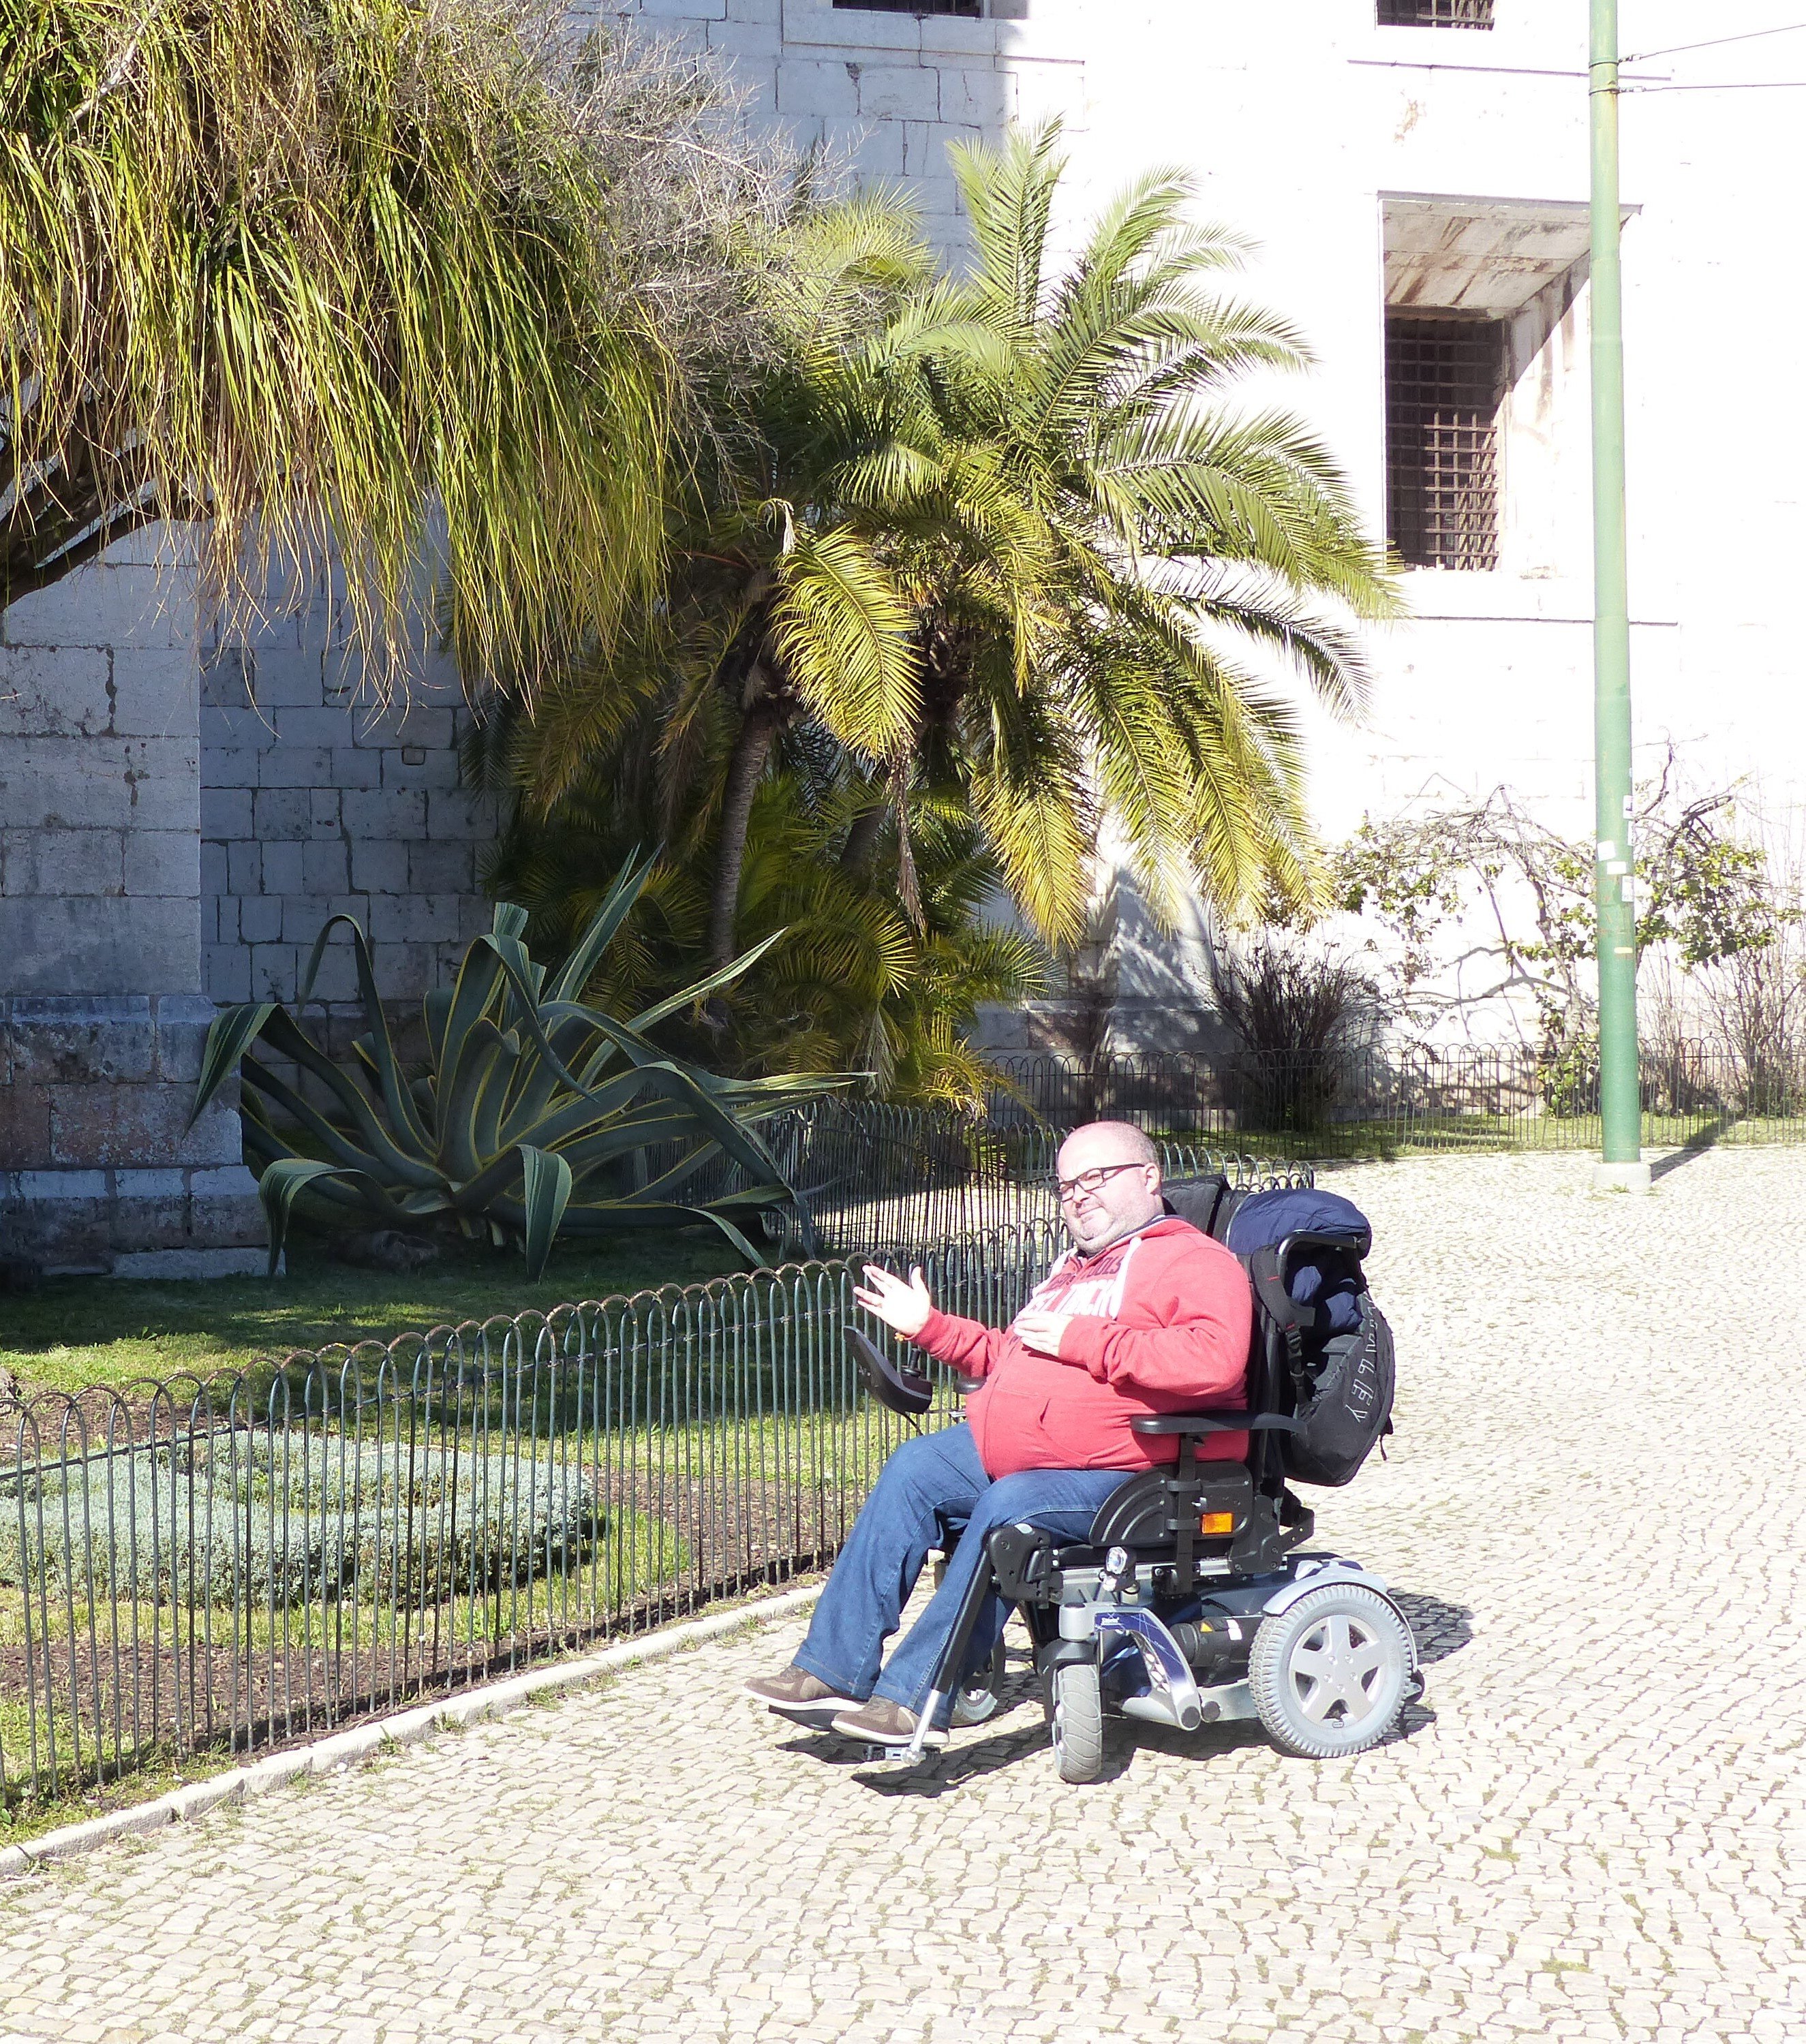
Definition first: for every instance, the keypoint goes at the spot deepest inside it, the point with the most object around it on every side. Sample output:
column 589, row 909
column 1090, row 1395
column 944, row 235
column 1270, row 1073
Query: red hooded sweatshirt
column 1164, row 1320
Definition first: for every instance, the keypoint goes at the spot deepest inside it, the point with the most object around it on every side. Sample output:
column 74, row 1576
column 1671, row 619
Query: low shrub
column 257, row 1520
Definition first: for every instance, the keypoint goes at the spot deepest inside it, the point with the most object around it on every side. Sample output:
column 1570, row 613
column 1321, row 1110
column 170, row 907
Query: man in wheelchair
column 1143, row 1316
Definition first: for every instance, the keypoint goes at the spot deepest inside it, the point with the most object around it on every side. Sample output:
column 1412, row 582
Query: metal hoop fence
column 224, row 1565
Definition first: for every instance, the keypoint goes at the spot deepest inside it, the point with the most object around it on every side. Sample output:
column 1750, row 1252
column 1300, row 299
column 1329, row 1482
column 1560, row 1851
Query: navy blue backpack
column 1326, row 1342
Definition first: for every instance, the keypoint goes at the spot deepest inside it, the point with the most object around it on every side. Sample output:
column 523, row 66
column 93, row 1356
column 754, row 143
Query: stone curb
column 350, row 1749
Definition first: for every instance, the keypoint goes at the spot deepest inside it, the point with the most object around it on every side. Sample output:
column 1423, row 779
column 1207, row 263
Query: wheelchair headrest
column 1196, row 1199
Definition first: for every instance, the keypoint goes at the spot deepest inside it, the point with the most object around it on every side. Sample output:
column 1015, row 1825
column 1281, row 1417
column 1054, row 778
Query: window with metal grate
column 1444, row 378
column 1435, row 13
column 971, row 8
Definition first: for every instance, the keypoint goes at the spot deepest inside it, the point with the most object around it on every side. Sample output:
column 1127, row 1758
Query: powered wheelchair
column 1195, row 1600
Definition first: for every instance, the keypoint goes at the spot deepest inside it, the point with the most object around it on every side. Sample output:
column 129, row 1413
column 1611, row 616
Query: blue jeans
column 861, row 1607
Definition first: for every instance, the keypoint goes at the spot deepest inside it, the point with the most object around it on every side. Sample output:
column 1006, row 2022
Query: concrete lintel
column 1450, row 252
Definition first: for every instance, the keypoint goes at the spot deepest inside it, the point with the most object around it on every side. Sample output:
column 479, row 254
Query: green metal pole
column 1620, row 1104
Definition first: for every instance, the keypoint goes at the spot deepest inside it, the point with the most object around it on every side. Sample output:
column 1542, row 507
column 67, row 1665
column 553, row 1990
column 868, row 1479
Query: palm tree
column 1000, row 536
column 1114, row 573
column 345, row 278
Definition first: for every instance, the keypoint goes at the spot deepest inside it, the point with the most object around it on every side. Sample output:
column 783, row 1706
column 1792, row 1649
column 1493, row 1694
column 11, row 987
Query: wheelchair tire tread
column 1075, row 1712
column 1269, row 1666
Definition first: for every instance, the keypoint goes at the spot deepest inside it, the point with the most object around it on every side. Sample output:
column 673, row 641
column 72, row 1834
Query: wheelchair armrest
column 966, row 1385
column 1189, row 1422
column 1211, row 1422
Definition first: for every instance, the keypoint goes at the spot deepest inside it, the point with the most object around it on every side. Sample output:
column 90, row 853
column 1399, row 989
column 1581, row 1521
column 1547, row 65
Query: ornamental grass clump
column 405, row 291
column 534, row 1115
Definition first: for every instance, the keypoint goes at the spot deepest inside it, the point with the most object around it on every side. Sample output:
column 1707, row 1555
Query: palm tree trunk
column 751, row 749
column 862, row 839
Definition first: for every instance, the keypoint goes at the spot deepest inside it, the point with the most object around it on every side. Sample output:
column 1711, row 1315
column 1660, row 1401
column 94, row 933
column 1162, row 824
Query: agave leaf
column 622, row 1137
column 233, row 1032
column 316, row 957
column 285, row 1037
column 480, row 974
column 734, row 1136
column 606, row 1218
column 483, row 1047
column 391, row 1080
column 323, row 1131
column 703, row 988
column 621, row 1034
column 434, row 1009
column 284, row 1182
column 756, row 1257
column 561, row 1121
column 546, row 1186
column 617, row 905
column 492, row 1099
column 502, row 1132
column 537, row 1084
column 509, row 959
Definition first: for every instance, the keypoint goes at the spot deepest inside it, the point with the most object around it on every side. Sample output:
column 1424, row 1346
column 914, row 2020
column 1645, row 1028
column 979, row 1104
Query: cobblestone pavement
column 1594, row 1827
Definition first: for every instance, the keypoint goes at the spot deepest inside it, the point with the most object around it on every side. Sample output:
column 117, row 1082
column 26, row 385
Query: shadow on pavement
column 1695, row 1146
column 1441, row 1629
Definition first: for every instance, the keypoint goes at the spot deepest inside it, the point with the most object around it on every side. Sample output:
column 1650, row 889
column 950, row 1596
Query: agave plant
column 534, row 1114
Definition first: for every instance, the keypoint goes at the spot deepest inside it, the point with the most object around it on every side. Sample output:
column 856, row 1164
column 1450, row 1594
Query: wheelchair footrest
column 812, row 1717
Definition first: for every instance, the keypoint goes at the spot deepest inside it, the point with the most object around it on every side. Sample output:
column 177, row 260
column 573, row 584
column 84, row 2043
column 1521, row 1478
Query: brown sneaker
column 881, row 1722
column 795, row 1694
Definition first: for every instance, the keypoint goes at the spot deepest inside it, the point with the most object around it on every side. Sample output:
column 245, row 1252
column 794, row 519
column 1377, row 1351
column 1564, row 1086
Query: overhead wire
column 1739, row 84
column 1716, row 42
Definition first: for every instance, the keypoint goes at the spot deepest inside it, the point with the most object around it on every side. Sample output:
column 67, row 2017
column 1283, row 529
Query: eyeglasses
column 1088, row 1181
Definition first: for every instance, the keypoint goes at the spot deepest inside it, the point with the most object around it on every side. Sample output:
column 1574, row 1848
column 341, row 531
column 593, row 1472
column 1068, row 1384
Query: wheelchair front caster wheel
column 1331, row 1676
column 1075, row 1709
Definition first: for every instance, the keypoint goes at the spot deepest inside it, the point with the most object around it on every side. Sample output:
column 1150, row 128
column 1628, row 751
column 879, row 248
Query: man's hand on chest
column 1038, row 1328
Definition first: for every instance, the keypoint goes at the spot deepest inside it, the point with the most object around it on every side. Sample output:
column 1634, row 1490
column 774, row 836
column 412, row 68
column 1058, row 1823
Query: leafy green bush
column 260, row 1522
column 850, row 978
column 534, row 1116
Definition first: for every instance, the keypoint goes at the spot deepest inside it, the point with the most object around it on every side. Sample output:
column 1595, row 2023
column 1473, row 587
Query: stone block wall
column 176, row 823
column 177, row 820
column 103, row 1014
column 98, row 1169
column 99, row 788
column 881, row 94
column 318, row 798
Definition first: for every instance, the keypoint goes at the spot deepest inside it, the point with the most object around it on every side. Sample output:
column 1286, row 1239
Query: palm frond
column 847, row 640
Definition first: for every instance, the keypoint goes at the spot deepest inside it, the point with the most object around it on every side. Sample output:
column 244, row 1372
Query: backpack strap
column 1291, row 1319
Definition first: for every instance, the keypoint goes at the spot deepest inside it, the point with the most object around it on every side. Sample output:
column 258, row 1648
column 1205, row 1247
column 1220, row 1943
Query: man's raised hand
column 903, row 1307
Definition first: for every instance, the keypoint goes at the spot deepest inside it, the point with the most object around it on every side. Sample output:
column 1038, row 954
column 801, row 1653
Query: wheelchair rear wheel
column 982, row 1691
column 1075, row 1709
column 1329, row 1675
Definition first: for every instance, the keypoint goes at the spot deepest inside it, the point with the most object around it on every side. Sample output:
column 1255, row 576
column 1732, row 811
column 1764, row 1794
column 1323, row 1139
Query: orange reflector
column 1217, row 1522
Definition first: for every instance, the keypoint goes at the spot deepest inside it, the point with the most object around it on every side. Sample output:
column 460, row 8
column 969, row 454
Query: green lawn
column 76, row 1331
